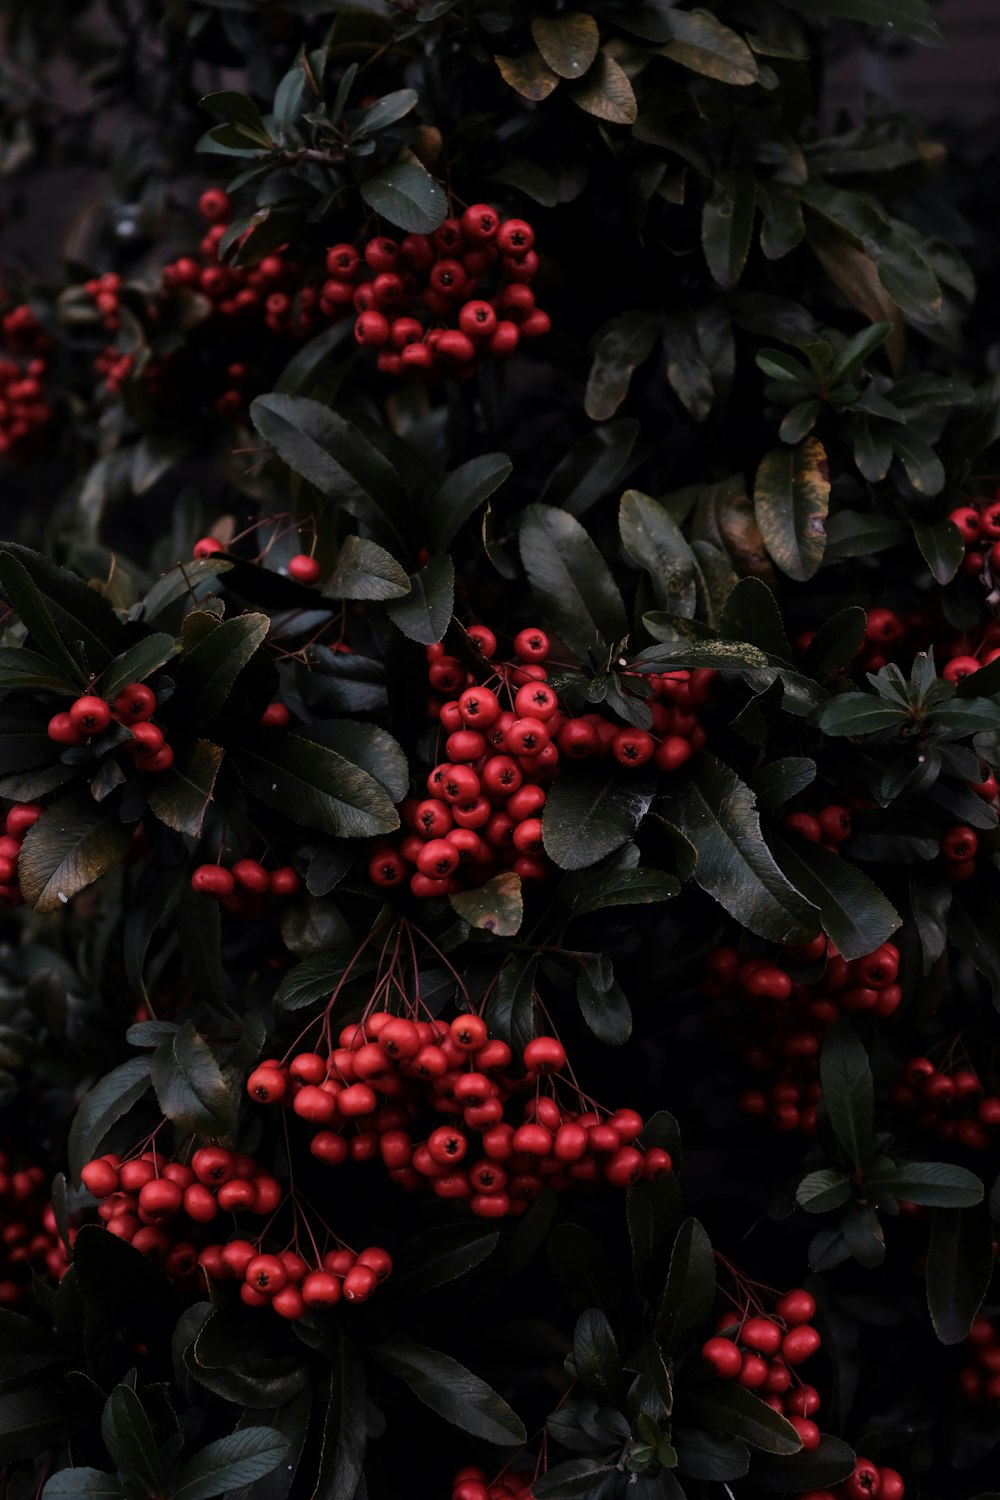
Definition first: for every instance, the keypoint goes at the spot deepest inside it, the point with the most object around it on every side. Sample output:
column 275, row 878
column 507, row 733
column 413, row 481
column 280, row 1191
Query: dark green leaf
column 959, row 1268
column 822, row 1190
column 105, row 1103
column 690, row 1291
column 855, row 913
column 510, row 1008
column 781, row 780
column 709, row 1455
column 727, row 223
column 119, row 1281
column 137, row 663
column 731, row 1409
column 206, row 675
column 568, row 43
column 36, row 1421
column 591, row 811
column 859, row 713
column 699, row 41
column 602, row 1002
column 437, row 1256
column 239, row 110
column 824, row 1467
column 365, row 570
column 245, row 1456
column 654, row 1213
column 576, row 1479
column 837, row 642
column 386, row 111
column 655, row 542
column 583, row 1269
column 182, row 795
column 128, row 1437
column 848, row 1091
column 407, row 196
column 496, row 906
column 942, row 547
column 571, row 580
column 27, row 601
column 452, row 1391
column 624, row 345
column 425, row 613
column 715, row 812
column 939, row 1184
column 593, row 467
column 791, row 501
column 190, row 1088
column 70, row 847
column 345, row 1429
column 910, row 17
column 82, row 1484
column 314, row 786
column 21, row 668
column 596, row 1358
column 460, row 495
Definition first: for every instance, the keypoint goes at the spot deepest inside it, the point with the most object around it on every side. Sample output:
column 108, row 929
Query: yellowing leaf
column 530, row 75
column 568, row 43
column 606, row 92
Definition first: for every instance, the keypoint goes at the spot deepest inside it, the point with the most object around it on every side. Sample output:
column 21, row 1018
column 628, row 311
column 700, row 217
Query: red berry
column 800, row 1344
column 761, row 1334
column 267, row 1085
column 207, row 547
column 545, row 1054
column 303, row 568
column 135, row 702
column 213, row 880
column 795, row 1307
column 215, row 205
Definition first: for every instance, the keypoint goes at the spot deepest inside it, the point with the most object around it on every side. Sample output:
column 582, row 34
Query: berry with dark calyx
column 134, row 703
column 215, row 205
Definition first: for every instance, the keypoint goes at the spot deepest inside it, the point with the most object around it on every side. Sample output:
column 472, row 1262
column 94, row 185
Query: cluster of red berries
column 869, row 1481
column 979, row 525
column 829, row 826
column 20, row 817
column 762, row 1350
column 782, row 1037
column 950, row 1104
column 441, row 303
column 495, row 1165
column 504, row 741
column 247, row 303
column 29, row 1238
column 244, row 889
column 472, row 1484
column 979, row 1380
column 25, row 413
column 134, row 706
column 291, row 1284
column 889, row 637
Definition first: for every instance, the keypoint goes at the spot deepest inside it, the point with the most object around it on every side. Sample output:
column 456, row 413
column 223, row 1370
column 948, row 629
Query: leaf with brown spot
column 70, row 847
column 726, row 517
column 791, row 503
column 568, row 43
column 529, row 75
column 703, row 44
column 606, row 92
column 495, row 907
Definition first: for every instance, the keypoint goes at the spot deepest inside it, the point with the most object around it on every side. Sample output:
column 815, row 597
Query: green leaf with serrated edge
column 82, row 1484
column 728, row 1407
column 602, row 1002
column 437, row 1256
column 938, row 1184
column 239, row 110
column 596, row 1357
column 424, row 614
column 189, row 1085
column 820, row 1191
column 623, row 346
column 529, row 74
column 655, row 542
column 858, row 714
column 365, row 570
column 510, row 1005
column 699, row 41
column 690, row 1291
column 848, row 1091
column 137, row 663
column 345, row 1428
column 592, row 811
column 460, row 495
column 855, row 913
column 621, row 881
column 206, row 675
column 496, row 906
column 576, row 1479
column 583, row 1269
column 942, row 548
column 791, row 501
column 777, row 783
column 407, row 195
column 182, row 795
column 825, row 1466
column 452, row 1391
column 709, row 1455
column 568, row 42
column 316, row 978
column 386, row 111
column 716, row 813
column 606, row 92
column 245, row 1456
column 367, row 746
column 313, row 785
column 29, row 604
column 959, row 1268
column 570, row 579
column 128, row 1436
column 727, row 223
column 35, row 1422
column 21, row 668
column 69, row 848
column 104, row 1104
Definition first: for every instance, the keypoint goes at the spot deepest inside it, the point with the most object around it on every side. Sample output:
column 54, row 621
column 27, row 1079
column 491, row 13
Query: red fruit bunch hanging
column 20, row 817
column 762, row 1350
column 376, row 1096
column 949, row 1101
column 440, row 304
column 782, row 1021
column 979, row 1377
column 25, row 409
column 472, row 1484
column 133, row 706
column 504, row 741
column 29, row 1237
column 247, row 887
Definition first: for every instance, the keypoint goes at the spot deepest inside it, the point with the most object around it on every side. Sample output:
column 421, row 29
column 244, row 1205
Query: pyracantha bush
column 499, row 735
